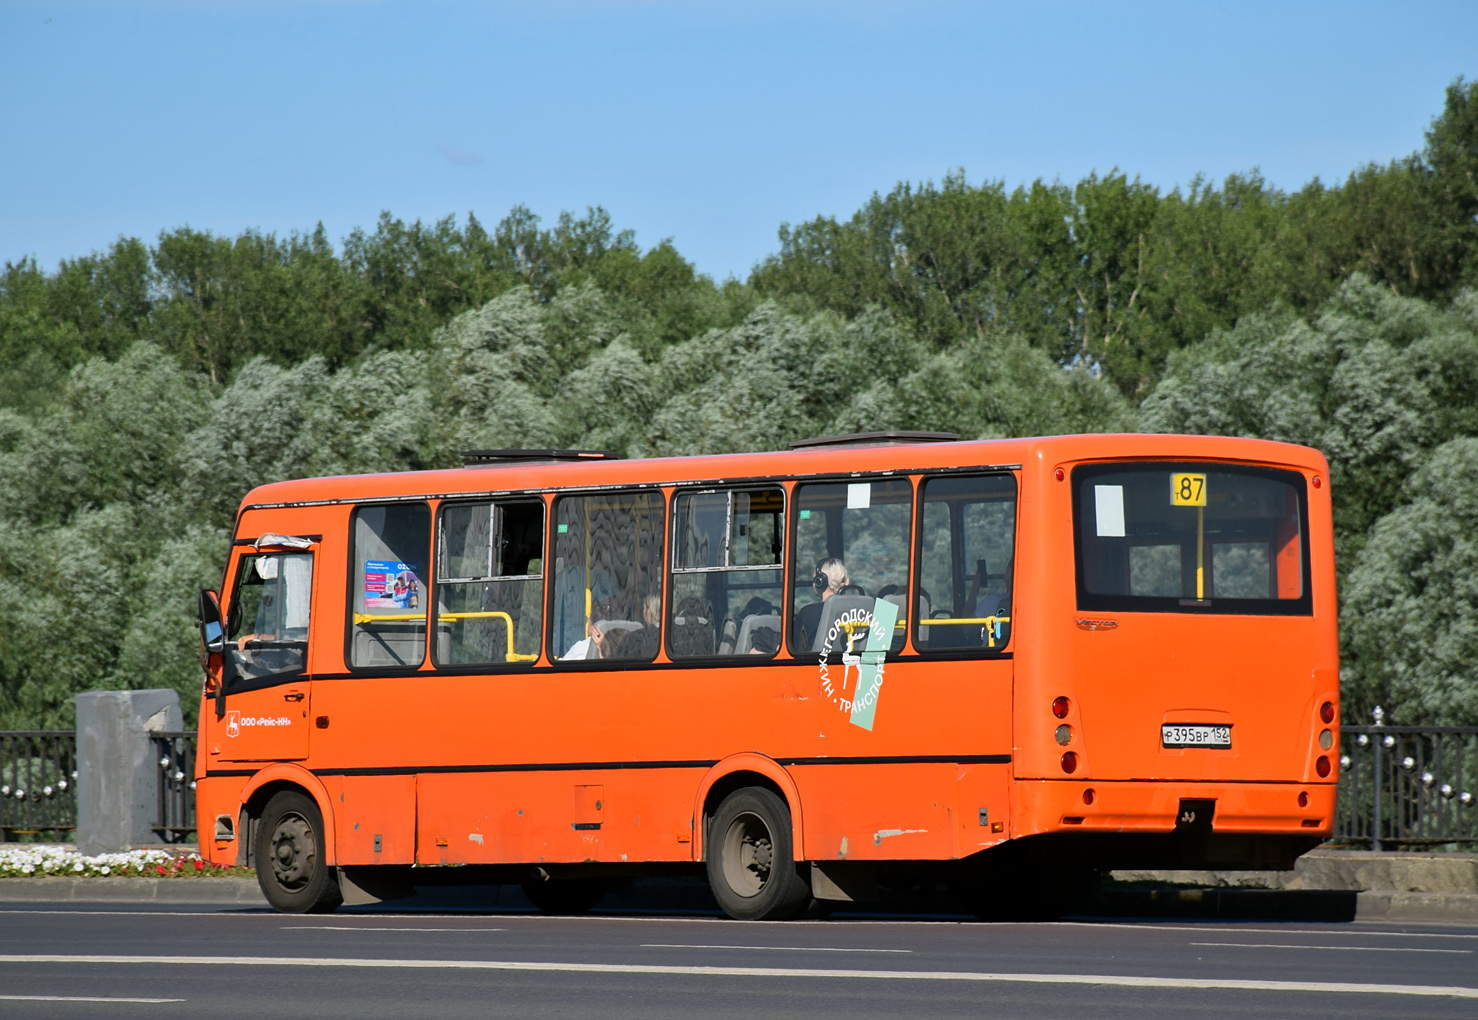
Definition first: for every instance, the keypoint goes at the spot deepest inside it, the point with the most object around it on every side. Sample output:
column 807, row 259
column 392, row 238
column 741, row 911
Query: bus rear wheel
column 289, row 857
column 751, row 862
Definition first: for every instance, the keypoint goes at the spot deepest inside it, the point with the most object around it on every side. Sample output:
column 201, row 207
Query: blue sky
column 707, row 123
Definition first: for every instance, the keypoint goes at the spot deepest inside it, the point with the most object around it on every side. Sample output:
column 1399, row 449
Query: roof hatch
column 484, row 458
column 876, row 439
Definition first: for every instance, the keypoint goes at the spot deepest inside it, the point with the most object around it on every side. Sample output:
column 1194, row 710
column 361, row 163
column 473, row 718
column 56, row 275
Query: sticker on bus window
column 805, row 515
column 391, row 584
column 863, row 636
column 859, row 495
column 1108, row 502
column 1187, row 489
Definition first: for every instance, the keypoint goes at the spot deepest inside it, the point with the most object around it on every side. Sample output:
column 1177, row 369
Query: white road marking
column 248, row 911
column 1113, row 980
column 788, row 949
column 355, row 927
column 79, row 998
column 1342, row 949
column 1213, row 929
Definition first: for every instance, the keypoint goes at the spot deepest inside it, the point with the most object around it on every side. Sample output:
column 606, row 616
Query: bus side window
column 851, row 544
column 267, row 623
column 489, row 582
column 727, row 584
column 387, row 605
column 607, row 577
column 967, row 543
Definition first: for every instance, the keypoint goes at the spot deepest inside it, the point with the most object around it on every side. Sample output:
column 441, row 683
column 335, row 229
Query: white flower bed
column 42, row 859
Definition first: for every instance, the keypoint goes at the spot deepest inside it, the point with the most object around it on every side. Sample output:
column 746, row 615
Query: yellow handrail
column 989, row 622
column 363, row 618
column 964, row 619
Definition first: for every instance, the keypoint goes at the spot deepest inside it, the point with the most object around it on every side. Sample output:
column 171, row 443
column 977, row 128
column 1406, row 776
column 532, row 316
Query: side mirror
column 212, row 634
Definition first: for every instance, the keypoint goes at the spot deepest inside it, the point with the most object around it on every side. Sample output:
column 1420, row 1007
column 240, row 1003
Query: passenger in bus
column 612, row 644
column 643, row 644
column 589, row 647
column 581, row 649
column 620, row 639
column 830, row 578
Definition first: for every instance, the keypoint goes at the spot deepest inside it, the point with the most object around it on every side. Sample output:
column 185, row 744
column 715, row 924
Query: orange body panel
column 1147, row 807
column 509, row 765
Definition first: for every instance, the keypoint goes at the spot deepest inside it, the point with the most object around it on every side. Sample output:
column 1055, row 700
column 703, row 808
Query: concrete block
column 221, row 892
column 117, row 774
column 1387, row 871
column 1362, row 871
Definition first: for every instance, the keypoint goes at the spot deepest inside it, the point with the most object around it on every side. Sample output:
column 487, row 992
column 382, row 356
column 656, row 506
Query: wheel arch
column 260, row 789
column 736, row 772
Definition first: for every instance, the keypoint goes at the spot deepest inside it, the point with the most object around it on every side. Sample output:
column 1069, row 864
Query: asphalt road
column 76, row 961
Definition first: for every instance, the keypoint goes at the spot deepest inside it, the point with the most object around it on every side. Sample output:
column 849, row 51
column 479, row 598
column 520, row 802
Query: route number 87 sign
column 1187, row 489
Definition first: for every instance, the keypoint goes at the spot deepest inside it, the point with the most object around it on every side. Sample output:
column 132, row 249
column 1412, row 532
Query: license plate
column 1195, row 736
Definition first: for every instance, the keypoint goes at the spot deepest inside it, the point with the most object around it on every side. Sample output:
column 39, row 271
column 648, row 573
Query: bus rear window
column 1191, row 538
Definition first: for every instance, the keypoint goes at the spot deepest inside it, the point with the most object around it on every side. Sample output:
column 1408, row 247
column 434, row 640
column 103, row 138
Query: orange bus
column 867, row 662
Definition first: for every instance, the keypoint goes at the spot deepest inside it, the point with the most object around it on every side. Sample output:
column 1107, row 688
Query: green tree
column 1451, row 158
column 1411, row 600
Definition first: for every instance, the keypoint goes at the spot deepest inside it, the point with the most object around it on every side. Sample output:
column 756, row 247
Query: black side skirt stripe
column 603, row 766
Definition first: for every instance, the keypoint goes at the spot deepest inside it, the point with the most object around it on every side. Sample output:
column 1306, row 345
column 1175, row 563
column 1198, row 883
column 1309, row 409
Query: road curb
column 198, row 891
column 1416, row 906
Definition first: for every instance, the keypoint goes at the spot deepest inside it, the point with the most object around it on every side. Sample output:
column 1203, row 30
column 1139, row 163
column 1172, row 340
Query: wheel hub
column 748, row 854
column 293, row 852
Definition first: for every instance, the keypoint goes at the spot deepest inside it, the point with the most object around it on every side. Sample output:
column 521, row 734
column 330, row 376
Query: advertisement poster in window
column 390, row 584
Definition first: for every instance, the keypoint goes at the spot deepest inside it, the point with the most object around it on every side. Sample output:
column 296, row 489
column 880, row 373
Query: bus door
column 263, row 704
column 962, row 616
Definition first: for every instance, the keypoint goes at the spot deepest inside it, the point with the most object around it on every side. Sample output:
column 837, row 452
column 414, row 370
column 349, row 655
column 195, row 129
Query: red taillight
column 1303, row 800
column 1070, row 763
column 1318, row 481
column 1087, row 796
column 1059, row 474
column 1321, row 766
column 1060, row 707
column 1326, row 712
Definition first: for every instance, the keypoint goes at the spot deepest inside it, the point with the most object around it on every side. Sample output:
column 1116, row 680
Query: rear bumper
column 1166, row 824
column 1045, row 806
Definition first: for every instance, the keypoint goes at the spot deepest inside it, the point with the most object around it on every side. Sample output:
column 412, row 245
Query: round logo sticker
column 862, row 634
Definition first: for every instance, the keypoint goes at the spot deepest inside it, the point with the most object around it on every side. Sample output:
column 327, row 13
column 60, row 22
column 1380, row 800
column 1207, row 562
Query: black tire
column 289, row 857
column 751, row 862
column 566, row 896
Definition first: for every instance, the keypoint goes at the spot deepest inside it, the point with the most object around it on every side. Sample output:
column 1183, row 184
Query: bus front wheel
column 289, row 857
column 751, row 862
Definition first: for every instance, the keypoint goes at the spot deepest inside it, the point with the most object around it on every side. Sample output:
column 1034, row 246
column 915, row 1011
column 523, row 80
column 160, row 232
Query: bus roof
column 827, row 460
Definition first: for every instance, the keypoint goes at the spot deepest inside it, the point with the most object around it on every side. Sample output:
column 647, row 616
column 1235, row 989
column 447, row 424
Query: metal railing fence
column 1406, row 787
column 175, row 753
column 38, row 784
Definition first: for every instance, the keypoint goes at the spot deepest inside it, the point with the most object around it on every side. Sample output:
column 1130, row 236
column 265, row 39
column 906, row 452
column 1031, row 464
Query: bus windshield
column 1191, row 537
